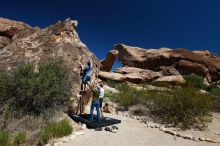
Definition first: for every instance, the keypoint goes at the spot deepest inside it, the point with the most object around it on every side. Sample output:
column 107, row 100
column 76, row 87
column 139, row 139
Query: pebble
column 65, row 140
column 178, row 135
column 195, row 139
column 163, row 129
column 83, row 126
column 72, row 137
column 157, row 126
column 152, row 126
column 201, row 139
column 170, row 132
column 79, row 133
column 190, row 137
column 210, row 140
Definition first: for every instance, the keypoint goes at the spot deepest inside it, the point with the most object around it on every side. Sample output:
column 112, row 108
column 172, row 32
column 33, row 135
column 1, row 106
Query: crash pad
column 105, row 121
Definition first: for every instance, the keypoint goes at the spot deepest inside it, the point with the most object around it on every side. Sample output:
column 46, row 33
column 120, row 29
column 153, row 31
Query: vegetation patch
column 194, row 80
column 19, row 138
column 34, row 92
column 4, row 138
column 184, row 107
column 55, row 130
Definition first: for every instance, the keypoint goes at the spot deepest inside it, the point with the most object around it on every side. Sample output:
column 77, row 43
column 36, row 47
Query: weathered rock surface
column 111, row 76
column 176, row 79
column 198, row 62
column 59, row 42
column 4, row 41
column 9, row 28
column 107, row 63
column 135, row 77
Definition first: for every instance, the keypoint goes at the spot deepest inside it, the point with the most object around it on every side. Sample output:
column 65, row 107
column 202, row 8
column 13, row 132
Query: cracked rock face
column 182, row 61
column 59, row 42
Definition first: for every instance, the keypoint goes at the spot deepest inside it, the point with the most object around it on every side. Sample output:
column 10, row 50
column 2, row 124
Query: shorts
column 85, row 79
column 100, row 102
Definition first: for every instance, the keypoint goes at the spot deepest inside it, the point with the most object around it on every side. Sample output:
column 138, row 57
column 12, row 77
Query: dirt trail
column 131, row 133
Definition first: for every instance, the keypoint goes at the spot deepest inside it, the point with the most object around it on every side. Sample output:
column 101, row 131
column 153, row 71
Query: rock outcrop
column 107, row 63
column 59, row 42
column 183, row 61
column 125, row 74
column 111, row 76
column 10, row 28
column 175, row 80
column 4, row 41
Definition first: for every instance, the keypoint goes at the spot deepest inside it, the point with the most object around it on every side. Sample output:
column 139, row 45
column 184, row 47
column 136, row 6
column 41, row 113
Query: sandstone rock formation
column 199, row 62
column 125, row 74
column 59, row 42
column 9, row 28
column 107, row 63
column 111, row 76
column 175, row 79
column 4, row 41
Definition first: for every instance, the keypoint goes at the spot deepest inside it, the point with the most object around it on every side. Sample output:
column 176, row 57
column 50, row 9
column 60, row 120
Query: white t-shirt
column 101, row 93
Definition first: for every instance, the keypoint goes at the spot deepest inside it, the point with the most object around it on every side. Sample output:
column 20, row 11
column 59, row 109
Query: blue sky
column 191, row 24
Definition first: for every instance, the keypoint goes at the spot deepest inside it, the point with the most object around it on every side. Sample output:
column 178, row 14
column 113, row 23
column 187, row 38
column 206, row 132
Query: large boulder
column 107, row 63
column 59, row 42
column 198, row 62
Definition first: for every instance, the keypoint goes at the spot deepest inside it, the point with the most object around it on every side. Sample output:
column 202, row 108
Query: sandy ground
column 131, row 133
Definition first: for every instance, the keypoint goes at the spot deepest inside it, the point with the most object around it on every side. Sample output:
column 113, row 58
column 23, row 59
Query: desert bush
column 4, row 138
column 34, row 92
column 215, row 91
column 112, row 83
column 3, row 86
column 19, row 138
column 55, row 130
column 184, row 107
column 194, row 80
column 128, row 96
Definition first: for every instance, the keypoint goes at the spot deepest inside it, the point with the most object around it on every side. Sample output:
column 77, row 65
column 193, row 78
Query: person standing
column 95, row 102
column 101, row 96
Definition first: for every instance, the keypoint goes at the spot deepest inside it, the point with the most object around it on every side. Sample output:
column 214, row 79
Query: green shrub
column 128, row 96
column 184, row 107
column 3, row 86
column 19, row 138
column 4, row 139
column 63, row 129
column 112, row 83
column 194, row 81
column 34, row 92
column 216, row 98
column 55, row 130
column 215, row 91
